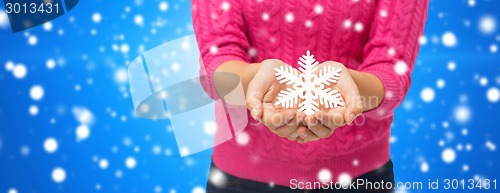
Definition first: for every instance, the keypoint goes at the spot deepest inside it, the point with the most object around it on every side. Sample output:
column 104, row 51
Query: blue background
column 88, row 73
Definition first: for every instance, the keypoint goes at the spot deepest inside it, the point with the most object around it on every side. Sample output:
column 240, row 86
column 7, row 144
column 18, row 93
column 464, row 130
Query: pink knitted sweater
column 374, row 36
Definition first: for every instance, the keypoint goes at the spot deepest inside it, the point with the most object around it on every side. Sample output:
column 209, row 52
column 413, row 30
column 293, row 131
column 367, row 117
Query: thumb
column 354, row 107
column 254, row 101
column 256, row 111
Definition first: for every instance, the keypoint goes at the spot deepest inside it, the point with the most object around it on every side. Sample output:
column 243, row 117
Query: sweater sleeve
column 392, row 48
column 221, row 35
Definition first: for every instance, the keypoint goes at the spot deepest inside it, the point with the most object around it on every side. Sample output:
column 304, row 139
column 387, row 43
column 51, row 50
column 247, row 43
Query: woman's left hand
column 324, row 122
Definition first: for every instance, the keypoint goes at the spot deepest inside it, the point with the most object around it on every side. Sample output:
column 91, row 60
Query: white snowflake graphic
column 308, row 86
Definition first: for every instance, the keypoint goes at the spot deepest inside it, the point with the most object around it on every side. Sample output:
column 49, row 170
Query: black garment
column 234, row 184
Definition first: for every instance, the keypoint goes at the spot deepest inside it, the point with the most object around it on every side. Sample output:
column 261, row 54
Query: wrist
column 247, row 72
column 357, row 77
column 370, row 88
column 243, row 70
column 250, row 70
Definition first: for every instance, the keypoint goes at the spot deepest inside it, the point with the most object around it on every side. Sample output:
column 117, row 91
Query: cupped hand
column 261, row 96
column 324, row 122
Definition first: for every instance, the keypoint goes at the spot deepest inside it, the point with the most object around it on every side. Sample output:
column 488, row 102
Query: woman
column 374, row 42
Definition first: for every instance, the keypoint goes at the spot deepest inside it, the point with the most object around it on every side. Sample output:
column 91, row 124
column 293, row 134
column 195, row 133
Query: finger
column 354, row 107
column 274, row 119
column 331, row 119
column 299, row 120
column 306, row 134
column 352, row 99
column 285, row 124
column 295, row 134
column 300, row 116
column 317, row 128
column 254, row 96
column 287, row 130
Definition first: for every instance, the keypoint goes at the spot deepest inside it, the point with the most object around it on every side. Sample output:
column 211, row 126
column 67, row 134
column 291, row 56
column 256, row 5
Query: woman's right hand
column 261, row 95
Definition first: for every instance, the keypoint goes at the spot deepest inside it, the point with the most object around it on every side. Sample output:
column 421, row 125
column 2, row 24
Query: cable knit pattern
column 367, row 35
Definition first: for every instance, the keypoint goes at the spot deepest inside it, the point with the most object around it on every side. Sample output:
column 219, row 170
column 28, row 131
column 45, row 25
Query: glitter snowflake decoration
column 308, row 86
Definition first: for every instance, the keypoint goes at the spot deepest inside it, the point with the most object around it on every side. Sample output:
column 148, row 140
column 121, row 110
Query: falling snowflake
column 308, row 86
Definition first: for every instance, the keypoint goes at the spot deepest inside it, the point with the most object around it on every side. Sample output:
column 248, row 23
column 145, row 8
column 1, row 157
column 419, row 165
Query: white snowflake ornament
column 308, row 86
